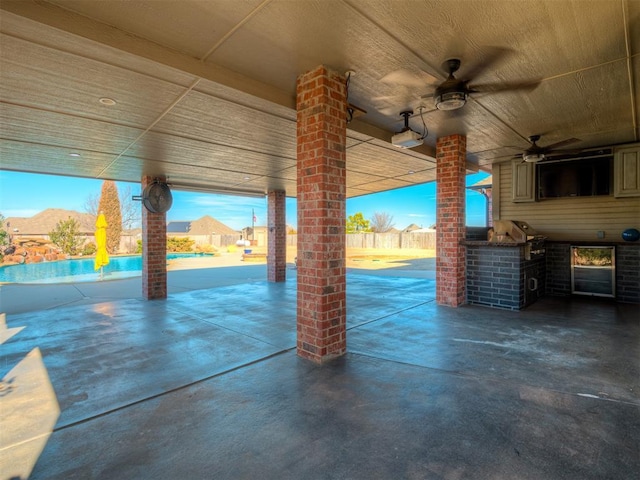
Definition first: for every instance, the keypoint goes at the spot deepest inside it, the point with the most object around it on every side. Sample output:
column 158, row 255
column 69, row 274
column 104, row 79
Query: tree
column 382, row 222
column 357, row 223
column 109, row 204
column 129, row 208
column 4, row 235
column 66, row 236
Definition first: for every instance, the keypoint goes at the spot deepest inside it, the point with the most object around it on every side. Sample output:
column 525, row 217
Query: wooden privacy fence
column 424, row 240
column 128, row 243
column 217, row 241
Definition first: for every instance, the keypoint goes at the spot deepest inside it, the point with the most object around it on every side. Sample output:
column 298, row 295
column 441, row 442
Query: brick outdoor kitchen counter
column 500, row 275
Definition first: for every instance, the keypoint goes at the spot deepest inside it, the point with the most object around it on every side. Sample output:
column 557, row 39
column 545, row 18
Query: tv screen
column 574, row 178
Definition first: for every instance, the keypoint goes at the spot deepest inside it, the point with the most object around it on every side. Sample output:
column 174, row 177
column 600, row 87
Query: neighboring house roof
column 485, row 183
column 411, row 228
column 206, row 225
column 44, row 222
column 178, row 227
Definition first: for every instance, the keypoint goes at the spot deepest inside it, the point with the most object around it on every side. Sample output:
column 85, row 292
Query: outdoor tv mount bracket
column 156, row 197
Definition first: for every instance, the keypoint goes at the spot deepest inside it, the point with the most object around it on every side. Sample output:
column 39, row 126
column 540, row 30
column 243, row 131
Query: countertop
column 578, row 243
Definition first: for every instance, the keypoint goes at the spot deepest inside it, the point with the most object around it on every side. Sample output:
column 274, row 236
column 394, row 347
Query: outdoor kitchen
column 515, row 266
column 507, row 270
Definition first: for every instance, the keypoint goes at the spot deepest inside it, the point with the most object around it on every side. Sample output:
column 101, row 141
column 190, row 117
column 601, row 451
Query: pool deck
column 184, row 275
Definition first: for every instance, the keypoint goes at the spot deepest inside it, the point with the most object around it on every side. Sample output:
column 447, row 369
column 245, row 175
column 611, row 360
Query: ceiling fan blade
column 389, row 111
column 555, row 146
column 409, row 78
column 504, row 87
column 489, row 56
column 385, row 98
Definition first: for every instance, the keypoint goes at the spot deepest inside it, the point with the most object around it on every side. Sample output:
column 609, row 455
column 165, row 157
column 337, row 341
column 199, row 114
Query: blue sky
column 26, row 194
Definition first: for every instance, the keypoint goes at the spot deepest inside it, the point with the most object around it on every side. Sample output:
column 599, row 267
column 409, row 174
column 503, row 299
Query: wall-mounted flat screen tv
column 587, row 176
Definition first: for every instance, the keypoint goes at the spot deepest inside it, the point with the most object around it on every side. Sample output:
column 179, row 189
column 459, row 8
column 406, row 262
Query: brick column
column 154, row 250
column 321, row 184
column 488, row 195
column 450, row 220
column 277, row 236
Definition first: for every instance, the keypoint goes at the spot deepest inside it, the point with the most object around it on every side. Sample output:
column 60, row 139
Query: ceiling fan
column 536, row 153
column 453, row 92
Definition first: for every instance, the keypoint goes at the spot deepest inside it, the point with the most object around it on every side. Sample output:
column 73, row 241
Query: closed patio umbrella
column 102, row 257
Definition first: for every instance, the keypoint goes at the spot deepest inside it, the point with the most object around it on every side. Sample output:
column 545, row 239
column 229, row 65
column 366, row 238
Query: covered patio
column 207, row 384
column 303, row 99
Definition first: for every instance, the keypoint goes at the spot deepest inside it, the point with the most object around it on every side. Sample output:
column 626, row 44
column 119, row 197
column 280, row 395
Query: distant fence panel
column 217, row 241
column 423, row 240
column 426, row 240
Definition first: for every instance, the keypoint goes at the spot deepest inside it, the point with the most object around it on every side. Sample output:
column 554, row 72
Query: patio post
column 276, row 236
column 451, row 154
column 321, row 190
column 154, row 249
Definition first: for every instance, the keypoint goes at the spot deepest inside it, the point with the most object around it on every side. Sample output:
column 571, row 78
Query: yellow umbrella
column 102, row 257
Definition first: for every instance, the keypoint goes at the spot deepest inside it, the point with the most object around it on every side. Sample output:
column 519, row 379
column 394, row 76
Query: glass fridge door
column 593, row 271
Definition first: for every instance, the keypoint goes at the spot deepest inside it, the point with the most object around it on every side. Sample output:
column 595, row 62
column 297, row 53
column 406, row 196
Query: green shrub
column 206, row 248
column 180, row 244
column 66, row 236
column 89, row 249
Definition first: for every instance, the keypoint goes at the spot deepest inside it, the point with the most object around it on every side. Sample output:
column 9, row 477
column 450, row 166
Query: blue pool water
column 77, row 270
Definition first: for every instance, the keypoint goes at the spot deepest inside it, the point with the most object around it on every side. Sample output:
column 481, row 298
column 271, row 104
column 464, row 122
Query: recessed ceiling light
column 246, row 178
column 411, row 172
column 74, row 154
column 107, row 101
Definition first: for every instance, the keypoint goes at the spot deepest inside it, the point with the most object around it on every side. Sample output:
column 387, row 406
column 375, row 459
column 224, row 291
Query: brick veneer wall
column 488, row 195
column 154, row 250
column 476, row 233
column 450, row 220
column 501, row 277
column 628, row 273
column 277, row 237
column 321, row 185
column 558, row 256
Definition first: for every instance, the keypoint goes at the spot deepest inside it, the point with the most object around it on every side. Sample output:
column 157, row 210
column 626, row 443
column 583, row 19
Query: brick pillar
column 450, row 220
column 489, row 199
column 154, row 250
column 277, row 236
column 321, row 184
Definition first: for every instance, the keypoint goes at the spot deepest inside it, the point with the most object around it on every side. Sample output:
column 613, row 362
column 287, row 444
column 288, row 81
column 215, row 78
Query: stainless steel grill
column 517, row 231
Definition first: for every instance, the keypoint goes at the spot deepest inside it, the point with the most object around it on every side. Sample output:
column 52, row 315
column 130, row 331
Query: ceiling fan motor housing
column 452, row 93
column 450, row 100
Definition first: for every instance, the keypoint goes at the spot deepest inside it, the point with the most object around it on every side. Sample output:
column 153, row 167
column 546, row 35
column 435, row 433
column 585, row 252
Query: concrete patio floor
column 207, row 385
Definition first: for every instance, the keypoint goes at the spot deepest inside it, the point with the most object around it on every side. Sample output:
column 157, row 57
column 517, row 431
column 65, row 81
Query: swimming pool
column 78, row 270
